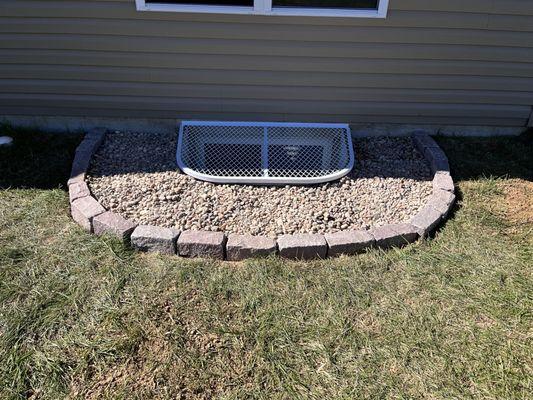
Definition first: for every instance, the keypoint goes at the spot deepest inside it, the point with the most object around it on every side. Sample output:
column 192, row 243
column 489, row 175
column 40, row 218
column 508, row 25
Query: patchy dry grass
column 518, row 204
column 85, row 317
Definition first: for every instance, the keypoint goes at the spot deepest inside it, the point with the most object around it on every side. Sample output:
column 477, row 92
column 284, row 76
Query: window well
column 264, row 153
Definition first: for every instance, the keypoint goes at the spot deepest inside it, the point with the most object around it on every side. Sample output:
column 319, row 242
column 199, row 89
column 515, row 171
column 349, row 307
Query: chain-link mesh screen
column 265, row 153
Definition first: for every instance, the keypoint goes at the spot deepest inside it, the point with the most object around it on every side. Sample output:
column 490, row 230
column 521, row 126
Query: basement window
column 312, row 8
column 264, row 153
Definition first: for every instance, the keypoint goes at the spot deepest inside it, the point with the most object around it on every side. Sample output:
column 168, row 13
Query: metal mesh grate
column 222, row 150
column 264, row 153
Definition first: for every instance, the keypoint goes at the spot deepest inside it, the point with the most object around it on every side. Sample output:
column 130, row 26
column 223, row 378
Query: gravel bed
column 135, row 174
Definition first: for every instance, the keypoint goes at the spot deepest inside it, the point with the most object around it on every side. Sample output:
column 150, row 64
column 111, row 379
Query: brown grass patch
column 518, row 204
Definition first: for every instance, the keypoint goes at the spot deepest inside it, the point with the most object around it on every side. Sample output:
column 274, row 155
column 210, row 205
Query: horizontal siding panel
column 268, row 106
column 511, row 22
column 266, row 32
column 420, row 119
column 468, row 6
column 266, row 63
column 265, row 78
column 240, row 116
column 520, row 7
column 273, row 48
column 133, row 89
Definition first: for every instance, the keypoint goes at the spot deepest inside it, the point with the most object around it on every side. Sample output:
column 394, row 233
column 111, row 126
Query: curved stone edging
column 94, row 218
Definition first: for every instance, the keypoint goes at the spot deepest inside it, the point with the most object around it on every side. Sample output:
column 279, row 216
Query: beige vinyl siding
column 437, row 62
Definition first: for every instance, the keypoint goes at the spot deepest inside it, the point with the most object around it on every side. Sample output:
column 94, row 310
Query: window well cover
column 264, row 152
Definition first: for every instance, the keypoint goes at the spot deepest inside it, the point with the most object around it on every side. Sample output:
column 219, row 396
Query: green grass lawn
column 449, row 318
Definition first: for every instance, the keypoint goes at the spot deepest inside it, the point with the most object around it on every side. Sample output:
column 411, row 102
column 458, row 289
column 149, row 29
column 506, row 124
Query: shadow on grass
column 472, row 158
column 36, row 159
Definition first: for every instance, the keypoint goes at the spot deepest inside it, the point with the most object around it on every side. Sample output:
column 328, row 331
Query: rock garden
column 128, row 184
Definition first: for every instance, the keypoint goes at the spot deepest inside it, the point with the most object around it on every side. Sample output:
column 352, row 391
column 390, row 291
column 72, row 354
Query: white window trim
column 264, row 7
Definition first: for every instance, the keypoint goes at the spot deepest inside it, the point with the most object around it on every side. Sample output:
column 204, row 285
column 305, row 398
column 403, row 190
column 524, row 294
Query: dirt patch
column 171, row 357
column 152, row 372
column 518, row 203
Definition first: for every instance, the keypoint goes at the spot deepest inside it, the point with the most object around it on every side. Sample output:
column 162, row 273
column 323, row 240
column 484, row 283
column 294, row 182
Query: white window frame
column 264, row 7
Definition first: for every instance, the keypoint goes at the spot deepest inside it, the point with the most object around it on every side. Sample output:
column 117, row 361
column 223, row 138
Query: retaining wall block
column 92, row 140
column 202, row 244
column 394, row 235
column 240, row 247
column 303, row 246
column 113, row 224
column 437, row 159
column 431, row 151
column 77, row 190
column 427, row 219
column 97, row 134
column 84, row 152
column 80, row 166
column 442, row 201
column 443, row 180
column 348, row 242
column 78, row 178
column 154, row 239
column 83, row 211
column 422, row 141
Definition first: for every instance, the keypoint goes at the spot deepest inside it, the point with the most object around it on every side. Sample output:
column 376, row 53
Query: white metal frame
column 265, row 179
column 264, row 7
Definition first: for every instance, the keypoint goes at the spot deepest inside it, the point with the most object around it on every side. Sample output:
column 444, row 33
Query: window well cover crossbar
column 264, row 153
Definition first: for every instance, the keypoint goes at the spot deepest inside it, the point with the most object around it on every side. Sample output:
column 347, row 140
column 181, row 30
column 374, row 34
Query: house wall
column 448, row 62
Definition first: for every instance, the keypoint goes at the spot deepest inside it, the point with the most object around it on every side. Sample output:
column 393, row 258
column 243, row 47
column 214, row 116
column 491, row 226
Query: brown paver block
column 80, row 165
column 426, row 220
column 154, row 239
column 394, row 235
column 113, row 224
column 240, row 247
column 97, row 134
column 79, row 178
column 202, row 244
column 437, row 159
column 348, row 242
column 83, row 211
column 303, row 246
column 422, row 141
column 78, row 190
column 88, row 146
column 431, row 151
column 406, row 231
column 92, row 140
column 443, row 180
column 442, row 201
